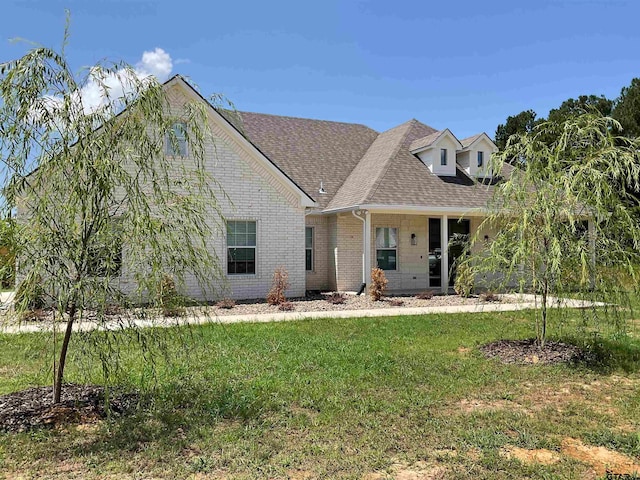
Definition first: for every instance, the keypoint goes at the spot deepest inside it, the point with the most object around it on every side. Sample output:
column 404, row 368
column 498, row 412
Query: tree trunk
column 545, row 293
column 59, row 374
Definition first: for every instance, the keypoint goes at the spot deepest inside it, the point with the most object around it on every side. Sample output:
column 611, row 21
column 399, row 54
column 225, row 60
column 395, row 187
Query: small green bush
column 30, row 294
column 463, row 284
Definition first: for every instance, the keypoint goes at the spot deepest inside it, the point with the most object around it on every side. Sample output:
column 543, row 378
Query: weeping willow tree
column 109, row 183
column 563, row 220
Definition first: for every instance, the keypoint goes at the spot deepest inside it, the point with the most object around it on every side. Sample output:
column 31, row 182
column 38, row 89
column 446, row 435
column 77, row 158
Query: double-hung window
column 308, row 245
column 241, row 247
column 480, row 159
column 443, row 156
column 387, row 248
column 176, row 141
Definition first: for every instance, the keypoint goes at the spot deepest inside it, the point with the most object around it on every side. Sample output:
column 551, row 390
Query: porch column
column 366, row 257
column 444, row 256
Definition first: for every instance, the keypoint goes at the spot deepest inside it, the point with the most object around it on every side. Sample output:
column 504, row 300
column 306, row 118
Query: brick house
column 330, row 200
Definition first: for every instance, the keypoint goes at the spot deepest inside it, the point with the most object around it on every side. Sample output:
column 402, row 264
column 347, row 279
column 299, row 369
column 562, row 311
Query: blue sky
column 456, row 64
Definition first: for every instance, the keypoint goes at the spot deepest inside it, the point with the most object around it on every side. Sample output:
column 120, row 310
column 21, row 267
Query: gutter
column 364, row 250
column 477, row 211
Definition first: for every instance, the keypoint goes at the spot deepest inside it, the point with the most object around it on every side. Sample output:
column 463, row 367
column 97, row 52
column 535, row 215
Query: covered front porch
column 416, row 249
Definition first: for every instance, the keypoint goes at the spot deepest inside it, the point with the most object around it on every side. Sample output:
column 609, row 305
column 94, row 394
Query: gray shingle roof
column 390, row 175
column 425, row 141
column 309, row 151
column 469, row 140
column 359, row 166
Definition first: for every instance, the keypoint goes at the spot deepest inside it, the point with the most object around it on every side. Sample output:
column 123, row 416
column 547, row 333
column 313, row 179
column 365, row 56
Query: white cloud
column 102, row 89
column 157, row 62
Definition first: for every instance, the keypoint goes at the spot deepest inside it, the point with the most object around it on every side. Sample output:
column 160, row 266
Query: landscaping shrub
column 278, row 287
column 378, row 284
column 171, row 303
column 286, row 306
column 426, row 295
column 113, row 309
column 30, row 294
column 489, row 297
column 336, row 298
column 463, row 284
column 227, row 303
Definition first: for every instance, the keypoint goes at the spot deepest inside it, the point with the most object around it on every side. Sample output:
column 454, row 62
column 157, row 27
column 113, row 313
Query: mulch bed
column 33, row 408
column 528, row 352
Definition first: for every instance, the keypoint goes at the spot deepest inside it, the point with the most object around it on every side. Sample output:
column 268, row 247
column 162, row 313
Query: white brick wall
column 348, row 257
column 318, row 278
column 413, row 260
column 345, row 251
column 254, row 194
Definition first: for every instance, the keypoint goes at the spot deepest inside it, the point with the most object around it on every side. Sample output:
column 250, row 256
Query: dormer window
column 443, row 156
column 480, row 159
column 434, row 149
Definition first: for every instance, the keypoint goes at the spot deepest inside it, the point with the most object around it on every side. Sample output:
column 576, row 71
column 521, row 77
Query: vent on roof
column 322, row 191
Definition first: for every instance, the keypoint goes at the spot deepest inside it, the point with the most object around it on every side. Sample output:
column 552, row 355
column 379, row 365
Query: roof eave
column 483, row 135
column 410, row 209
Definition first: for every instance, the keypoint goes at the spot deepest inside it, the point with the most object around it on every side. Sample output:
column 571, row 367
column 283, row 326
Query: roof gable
column 471, row 142
column 229, row 130
column 310, row 151
column 432, row 140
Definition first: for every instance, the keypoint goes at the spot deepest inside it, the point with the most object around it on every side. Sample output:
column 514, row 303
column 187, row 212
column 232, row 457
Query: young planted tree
column 112, row 195
column 562, row 221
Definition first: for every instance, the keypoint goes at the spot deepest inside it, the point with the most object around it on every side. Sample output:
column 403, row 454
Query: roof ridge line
column 388, row 161
column 307, row 118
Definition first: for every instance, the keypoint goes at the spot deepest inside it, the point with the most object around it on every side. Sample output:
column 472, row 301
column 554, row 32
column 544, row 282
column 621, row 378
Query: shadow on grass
column 166, row 416
column 605, row 356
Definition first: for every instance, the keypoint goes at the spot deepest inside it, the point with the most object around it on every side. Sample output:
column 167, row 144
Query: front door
column 458, row 237
column 435, row 253
column 458, row 234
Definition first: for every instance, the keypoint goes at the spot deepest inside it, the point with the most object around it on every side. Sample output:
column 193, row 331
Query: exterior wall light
column 414, row 240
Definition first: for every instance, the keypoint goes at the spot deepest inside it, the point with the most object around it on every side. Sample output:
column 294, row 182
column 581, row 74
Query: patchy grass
column 357, row 398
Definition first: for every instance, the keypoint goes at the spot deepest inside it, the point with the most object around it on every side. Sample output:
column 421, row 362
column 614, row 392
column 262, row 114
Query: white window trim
column 227, row 247
column 446, row 157
column 168, row 147
column 313, row 248
column 397, row 249
column 480, row 158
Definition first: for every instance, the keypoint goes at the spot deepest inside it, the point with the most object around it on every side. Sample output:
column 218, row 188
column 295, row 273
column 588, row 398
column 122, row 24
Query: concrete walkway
column 518, row 302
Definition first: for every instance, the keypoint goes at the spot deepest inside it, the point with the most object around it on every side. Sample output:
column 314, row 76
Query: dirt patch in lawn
column 417, row 471
column 467, row 405
column 602, row 460
column 81, row 404
column 528, row 352
column 541, row 455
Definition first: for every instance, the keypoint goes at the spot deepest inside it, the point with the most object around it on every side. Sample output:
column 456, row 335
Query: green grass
column 332, row 399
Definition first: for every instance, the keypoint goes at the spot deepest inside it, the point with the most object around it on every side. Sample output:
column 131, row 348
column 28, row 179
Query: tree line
column 625, row 109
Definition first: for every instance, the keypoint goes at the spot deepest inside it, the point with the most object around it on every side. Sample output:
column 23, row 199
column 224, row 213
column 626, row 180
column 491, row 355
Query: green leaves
column 568, row 174
column 101, row 217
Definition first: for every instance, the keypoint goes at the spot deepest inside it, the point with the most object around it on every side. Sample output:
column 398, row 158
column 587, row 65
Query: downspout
column 364, row 249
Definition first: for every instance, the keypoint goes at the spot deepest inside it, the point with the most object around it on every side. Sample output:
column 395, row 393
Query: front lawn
column 358, row 398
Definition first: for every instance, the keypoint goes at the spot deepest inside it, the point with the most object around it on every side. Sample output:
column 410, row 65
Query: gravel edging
column 319, row 303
